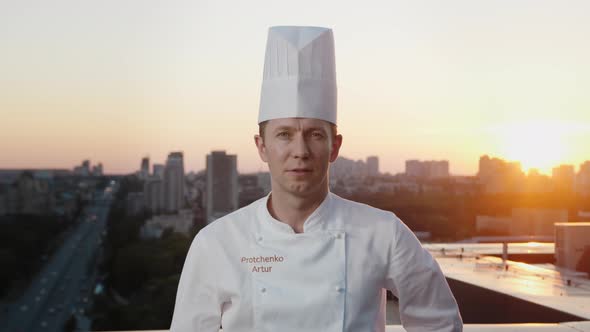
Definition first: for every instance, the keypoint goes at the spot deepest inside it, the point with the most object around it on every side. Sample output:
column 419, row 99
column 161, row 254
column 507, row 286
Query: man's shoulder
column 359, row 217
column 384, row 225
column 349, row 207
column 238, row 220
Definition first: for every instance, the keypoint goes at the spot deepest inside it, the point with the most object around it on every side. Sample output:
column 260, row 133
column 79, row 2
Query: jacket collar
column 315, row 222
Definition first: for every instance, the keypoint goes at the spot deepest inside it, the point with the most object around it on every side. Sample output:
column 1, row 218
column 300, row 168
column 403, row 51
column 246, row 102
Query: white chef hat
column 299, row 74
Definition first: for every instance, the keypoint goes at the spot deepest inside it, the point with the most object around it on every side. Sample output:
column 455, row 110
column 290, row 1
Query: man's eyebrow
column 316, row 128
column 283, row 128
column 291, row 128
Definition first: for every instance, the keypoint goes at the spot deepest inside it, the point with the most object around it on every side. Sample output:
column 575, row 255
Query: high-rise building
column 537, row 182
column 373, row 165
column 249, row 189
column 158, row 173
column 97, row 170
column 498, row 176
column 222, row 185
column 343, row 168
column 153, row 194
column 491, row 167
column 159, row 170
column 414, row 168
column 430, row 169
column 563, row 178
column 84, row 169
column 173, row 183
column 144, row 171
column 583, row 179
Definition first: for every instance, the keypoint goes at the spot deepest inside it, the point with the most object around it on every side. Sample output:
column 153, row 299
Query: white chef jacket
column 250, row 272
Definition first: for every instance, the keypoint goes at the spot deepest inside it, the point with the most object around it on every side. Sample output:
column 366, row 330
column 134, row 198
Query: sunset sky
column 113, row 81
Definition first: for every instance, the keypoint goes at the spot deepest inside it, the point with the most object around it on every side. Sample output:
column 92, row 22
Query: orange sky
column 113, row 82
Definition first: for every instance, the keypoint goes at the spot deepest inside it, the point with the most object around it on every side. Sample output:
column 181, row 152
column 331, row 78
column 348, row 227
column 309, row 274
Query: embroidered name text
column 261, row 260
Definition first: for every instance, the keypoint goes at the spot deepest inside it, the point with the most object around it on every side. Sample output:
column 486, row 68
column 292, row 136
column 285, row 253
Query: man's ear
column 336, row 144
column 260, row 147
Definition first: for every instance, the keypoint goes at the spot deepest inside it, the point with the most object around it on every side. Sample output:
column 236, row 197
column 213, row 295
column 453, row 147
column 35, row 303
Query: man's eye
column 283, row 134
column 317, row 134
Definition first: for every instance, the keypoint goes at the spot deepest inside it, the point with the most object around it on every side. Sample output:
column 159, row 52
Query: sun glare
column 536, row 145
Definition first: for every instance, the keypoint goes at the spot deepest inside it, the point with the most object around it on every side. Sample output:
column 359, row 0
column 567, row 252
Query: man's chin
column 304, row 189
column 300, row 189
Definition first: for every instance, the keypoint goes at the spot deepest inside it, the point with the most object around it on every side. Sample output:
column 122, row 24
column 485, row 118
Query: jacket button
column 263, row 290
column 259, row 239
column 340, row 289
column 339, row 235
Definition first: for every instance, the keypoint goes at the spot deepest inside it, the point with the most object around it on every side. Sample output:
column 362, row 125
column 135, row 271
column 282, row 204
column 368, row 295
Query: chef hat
column 299, row 74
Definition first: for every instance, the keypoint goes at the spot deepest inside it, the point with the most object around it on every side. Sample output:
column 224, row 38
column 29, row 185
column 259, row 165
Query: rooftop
column 559, row 289
column 473, row 249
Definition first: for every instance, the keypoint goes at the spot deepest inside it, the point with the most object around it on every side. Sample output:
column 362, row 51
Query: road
column 65, row 285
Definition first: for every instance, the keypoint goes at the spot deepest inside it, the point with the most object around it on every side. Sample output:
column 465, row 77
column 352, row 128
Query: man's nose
column 301, row 147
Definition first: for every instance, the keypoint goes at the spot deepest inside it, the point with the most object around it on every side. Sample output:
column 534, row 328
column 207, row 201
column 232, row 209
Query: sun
column 535, row 145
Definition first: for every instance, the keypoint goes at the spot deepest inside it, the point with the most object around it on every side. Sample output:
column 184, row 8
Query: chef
column 302, row 258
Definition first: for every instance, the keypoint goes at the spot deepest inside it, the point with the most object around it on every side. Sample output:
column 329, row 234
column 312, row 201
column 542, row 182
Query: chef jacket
column 250, row 272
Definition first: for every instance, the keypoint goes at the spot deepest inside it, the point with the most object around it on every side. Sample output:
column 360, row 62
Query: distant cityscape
column 220, row 189
column 178, row 201
column 130, row 233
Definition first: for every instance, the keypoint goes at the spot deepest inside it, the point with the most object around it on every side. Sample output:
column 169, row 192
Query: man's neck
column 294, row 210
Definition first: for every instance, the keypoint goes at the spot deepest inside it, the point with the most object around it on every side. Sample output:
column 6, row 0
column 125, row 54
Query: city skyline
column 144, row 172
column 428, row 80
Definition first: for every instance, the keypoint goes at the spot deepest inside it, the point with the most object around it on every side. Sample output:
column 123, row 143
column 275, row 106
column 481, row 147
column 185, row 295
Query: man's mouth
column 300, row 170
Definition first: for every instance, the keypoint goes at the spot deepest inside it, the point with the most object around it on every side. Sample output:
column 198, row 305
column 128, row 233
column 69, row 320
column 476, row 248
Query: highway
column 65, row 285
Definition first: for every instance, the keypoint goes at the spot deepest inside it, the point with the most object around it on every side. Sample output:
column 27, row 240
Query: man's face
column 298, row 152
